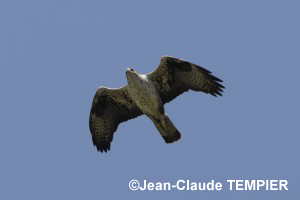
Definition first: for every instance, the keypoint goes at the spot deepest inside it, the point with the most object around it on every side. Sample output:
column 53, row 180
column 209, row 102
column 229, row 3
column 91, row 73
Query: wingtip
column 218, row 93
column 213, row 94
column 103, row 148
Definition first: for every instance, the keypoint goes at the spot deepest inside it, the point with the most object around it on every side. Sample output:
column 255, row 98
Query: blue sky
column 55, row 54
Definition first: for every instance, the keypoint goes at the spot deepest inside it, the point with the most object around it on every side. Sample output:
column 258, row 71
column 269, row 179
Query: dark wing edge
column 174, row 76
column 110, row 107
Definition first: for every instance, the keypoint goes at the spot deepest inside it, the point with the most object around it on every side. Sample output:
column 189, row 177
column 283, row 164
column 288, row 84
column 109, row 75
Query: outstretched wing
column 174, row 76
column 110, row 107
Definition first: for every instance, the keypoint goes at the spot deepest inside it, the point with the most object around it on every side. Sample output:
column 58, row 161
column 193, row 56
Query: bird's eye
column 131, row 70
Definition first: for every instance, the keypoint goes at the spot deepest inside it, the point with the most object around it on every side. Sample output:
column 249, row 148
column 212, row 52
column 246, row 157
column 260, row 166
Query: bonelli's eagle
column 147, row 94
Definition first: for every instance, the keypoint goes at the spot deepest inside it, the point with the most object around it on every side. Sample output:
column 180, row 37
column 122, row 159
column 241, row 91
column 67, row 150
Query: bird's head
column 132, row 75
column 130, row 70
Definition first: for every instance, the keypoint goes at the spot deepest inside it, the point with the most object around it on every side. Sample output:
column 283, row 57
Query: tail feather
column 172, row 138
column 167, row 130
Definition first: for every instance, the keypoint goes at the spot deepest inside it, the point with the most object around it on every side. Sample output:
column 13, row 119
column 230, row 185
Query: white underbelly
column 147, row 99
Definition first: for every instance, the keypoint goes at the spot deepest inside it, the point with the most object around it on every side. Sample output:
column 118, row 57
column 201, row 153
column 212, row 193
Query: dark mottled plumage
column 110, row 108
column 172, row 77
column 175, row 76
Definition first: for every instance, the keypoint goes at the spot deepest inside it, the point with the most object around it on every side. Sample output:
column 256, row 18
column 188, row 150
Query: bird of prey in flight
column 147, row 94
